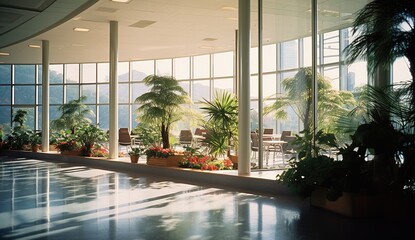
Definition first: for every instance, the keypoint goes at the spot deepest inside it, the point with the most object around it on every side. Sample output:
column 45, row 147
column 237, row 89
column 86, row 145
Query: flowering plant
column 159, row 152
column 100, row 152
column 70, row 145
column 194, row 159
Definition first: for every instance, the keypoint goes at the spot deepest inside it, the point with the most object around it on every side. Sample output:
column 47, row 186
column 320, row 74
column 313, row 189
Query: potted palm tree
column 222, row 123
column 74, row 113
column 162, row 104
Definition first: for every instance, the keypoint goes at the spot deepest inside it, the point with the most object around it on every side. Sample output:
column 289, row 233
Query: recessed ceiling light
column 4, row 54
column 121, row 1
column 229, row 8
column 33, row 46
column 79, row 29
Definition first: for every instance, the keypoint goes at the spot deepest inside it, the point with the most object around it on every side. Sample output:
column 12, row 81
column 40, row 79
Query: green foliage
column 73, row 113
column 19, row 137
column 35, row 139
column 222, row 123
column 298, row 96
column 89, row 135
column 136, row 151
column 148, row 134
column 20, row 118
column 161, row 105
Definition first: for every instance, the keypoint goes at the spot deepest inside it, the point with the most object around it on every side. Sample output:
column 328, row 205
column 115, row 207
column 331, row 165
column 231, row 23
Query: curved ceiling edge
column 57, row 13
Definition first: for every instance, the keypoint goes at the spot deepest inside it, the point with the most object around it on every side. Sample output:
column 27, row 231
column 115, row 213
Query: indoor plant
column 89, row 135
column 35, row 141
column 160, row 156
column 161, row 105
column 135, row 153
column 222, row 123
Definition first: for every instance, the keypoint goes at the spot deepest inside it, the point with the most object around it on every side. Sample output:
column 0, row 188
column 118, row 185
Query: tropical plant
column 35, row 139
column 73, row 113
column 385, row 31
column 298, row 95
column 147, row 134
column 162, row 104
column 20, row 118
column 89, row 135
column 222, row 122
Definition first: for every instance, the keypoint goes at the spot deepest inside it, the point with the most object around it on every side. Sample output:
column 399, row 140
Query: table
column 276, row 144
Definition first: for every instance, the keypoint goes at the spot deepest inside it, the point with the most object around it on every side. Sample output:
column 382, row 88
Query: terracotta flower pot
column 134, row 158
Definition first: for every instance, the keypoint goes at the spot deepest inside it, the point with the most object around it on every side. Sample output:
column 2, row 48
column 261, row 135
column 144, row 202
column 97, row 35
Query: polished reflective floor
column 45, row 200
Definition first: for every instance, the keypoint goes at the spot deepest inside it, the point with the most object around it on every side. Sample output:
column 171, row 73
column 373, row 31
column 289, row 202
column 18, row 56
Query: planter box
column 357, row 205
column 170, row 161
column 72, row 153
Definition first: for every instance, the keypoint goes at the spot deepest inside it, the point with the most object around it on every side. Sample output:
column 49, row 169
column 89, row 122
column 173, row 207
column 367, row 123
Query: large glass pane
column 401, row 71
column 225, row 84
column 56, row 94
column 5, row 95
column 72, row 73
column 181, row 68
column 138, row 89
column 134, row 116
column 123, row 116
column 289, row 54
column 5, row 116
column 269, row 55
column 254, row 60
column 201, row 90
column 123, row 94
column 24, row 74
column 332, row 73
column 164, row 67
column 104, row 116
column 30, row 116
column 223, row 64
column 39, row 94
column 357, row 75
column 5, row 74
column 254, row 87
column 54, row 113
column 90, row 92
column 93, row 117
column 89, row 73
column 39, row 118
column 331, row 47
column 103, row 72
column 142, row 69
column 56, row 73
column 186, row 86
column 39, row 74
column 307, row 52
column 201, row 66
column 123, row 71
column 72, row 92
column 24, row 94
column 269, row 82
column 104, row 93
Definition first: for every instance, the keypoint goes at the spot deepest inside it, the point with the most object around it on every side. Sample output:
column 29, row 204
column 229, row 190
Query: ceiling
column 151, row 29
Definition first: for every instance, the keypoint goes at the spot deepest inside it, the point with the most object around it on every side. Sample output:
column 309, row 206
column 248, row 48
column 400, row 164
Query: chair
column 200, row 135
column 124, row 137
column 186, row 137
column 254, row 144
column 268, row 133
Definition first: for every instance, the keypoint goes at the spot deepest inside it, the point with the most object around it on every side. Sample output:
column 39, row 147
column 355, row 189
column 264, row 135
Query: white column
column 45, row 95
column 244, row 141
column 260, row 89
column 113, row 141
